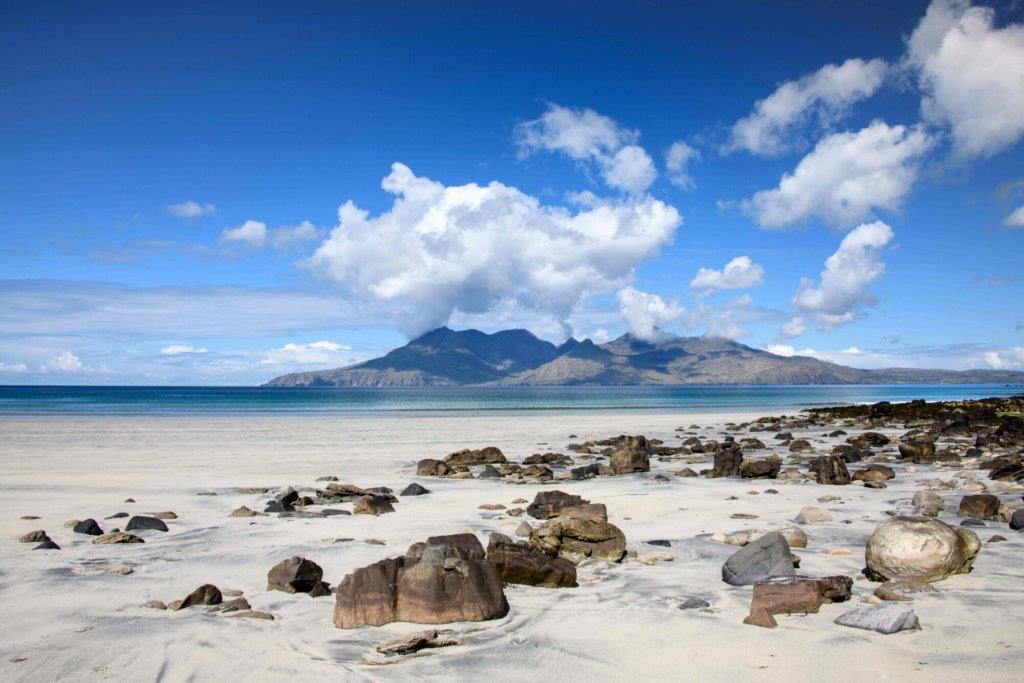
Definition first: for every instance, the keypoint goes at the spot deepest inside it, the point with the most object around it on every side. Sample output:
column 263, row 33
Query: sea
column 84, row 401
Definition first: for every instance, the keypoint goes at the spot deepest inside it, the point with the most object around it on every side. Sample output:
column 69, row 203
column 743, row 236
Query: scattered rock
column 47, row 545
column 235, row 605
column 728, row 459
column 759, row 560
column 904, row 547
column 760, row 469
column 981, row 506
column 830, row 470
column 428, row 467
column 632, row 456
column 372, row 505
column 414, row 489
column 140, row 523
column 117, row 537
column 760, row 618
column 521, row 564
column 443, row 580
column 548, row 504
column 1017, row 520
column 38, row 536
column 694, row 603
column 578, row 533
column 885, row 618
column 812, row 515
column 155, row 604
column 89, row 527
column 207, row 594
column 414, row 642
column 246, row 512
column 928, row 502
column 874, row 473
column 294, row 575
column 251, row 614
column 489, row 455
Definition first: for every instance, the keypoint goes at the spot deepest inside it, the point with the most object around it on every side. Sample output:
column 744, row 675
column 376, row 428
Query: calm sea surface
column 233, row 401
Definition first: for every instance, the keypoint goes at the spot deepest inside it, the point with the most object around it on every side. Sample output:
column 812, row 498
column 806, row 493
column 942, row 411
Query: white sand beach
column 62, row 617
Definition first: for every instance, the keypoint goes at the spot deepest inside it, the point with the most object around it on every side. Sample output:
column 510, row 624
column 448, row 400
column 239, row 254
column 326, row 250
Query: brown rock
column 429, row 467
column 38, row 536
column 207, row 594
column 632, row 456
column 468, row 457
column 372, row 505
column 761, row 618
column 728, row 459
column 117, row 537
column 550, row 503
column 981, row 506
column 519, row 563
column 830, row 470
column 577, row 534
column 760, row 469
column 874, row 473
column 294, row 575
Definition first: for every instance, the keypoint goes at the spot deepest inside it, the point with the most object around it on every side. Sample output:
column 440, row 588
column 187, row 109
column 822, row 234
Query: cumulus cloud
column 845, row 178
column 1015, row 219
column 842, row 290
column 65, row 363
column 739, row 273
column 190, row 209
column 439, row 249
column 824, row 97
column 794, row 327
column 645, row 314
column 180, row 349
column 252, row 234
column 971, row 75
column 677, row 162
column 13, row 368
column 255, row 235
column 314, row 353
column 589, row 137
column 1005, row 359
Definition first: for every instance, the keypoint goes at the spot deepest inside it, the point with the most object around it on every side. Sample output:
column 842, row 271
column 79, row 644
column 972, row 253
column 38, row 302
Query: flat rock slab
column 887, row 618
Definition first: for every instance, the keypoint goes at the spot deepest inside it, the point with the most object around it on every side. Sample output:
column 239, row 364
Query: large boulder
column 294, row 575
column 830, row 470
column 444, row 580
column 923, row 547
column 579, row 533
column 760, row 469
column 981, row 506
column 488, row 455
column 728, row 459
column 632, row 456
column 762, row 559
column 548, row 504
column 519, row 563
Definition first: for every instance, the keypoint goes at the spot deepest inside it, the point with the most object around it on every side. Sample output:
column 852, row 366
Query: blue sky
column 171, row 181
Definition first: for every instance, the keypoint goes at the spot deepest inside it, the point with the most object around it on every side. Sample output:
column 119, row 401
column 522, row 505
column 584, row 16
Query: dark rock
column 760, row 469
column 633, row 455
column 469, row 457
column 117, row 515
column 140, row 523
column 321, row 589
column 972, row 521
column 294, row 575
column 207, row 594
column 980, row 506
column 88, row 526
column 801, row 446
column 414, row 489
column 727, row 461
column 694, row 603
column 47, row 545
column 443, row 580
column 1017, row 520
column 489, row 472
column 762, row 559
column 830, row 470
column 660, row 542
column 585, row 472
column 548, row 504
column 869, row 439
column 283, row 502
column 521, row 564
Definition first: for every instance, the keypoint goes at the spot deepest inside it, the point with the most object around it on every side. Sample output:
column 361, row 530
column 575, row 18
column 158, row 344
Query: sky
column 219, row 193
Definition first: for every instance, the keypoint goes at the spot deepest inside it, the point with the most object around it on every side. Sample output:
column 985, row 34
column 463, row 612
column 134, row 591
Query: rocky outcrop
column 923, row 547
column 518, row 562
column 443, row 580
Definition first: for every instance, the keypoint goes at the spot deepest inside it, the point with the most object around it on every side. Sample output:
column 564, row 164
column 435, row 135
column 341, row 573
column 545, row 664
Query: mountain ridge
column 446, row 357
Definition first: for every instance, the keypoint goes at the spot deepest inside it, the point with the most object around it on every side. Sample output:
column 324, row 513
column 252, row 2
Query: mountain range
column 446, row 357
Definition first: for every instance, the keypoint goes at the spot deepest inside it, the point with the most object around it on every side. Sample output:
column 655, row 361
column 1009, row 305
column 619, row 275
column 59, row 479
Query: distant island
column 446, row 357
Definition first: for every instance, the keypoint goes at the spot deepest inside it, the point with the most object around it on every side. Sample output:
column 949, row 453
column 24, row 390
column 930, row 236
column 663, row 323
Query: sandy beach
column 65, row 617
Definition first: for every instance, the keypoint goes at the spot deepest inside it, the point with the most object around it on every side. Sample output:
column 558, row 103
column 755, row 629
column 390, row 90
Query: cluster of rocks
column 366, row 501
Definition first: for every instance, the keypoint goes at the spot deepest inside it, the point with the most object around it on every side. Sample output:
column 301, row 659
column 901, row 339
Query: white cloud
column 1005, row 359
column 677, row 161
column 783, row 350
column 842, row 290
column 314, row 353
column 794, row 327
column 179, row 349
column 739, row 273
column 1015, row 219
column 286, row 237
column 251, row 233
column 65, row 363
column 971, row 75
column 469, row 248
column 845, row 178
column 13, row 368
column 646, row 313
column 190, row 209
column 585, row 135
column 825, row 95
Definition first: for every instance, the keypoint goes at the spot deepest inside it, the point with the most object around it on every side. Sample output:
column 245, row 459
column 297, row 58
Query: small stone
column 231, row 593
column 812, row 515
column 660, row 542
column 294, row 575
column 236, row 605
column 251, row 614
column 414, row 489
column 524, row 530
column 30, row 517
column 655, row 557
column 156, row 604
column 694, row 603
column 122, row 569
column 1017, row 520
column 47, row 545
column 117, row 537
column 766, row 557
column 243, row 511
column 414, row 642
column 117, row 515
column 372, row 505
column 207, row 594
column 491, row 506
column 996, row 538
column 886, row 618
column 761, row 618
column 167, row 514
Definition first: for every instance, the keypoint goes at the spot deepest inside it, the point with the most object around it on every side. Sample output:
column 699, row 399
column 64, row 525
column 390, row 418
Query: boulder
column 981, row 506
column 885, row 618
column 294, row 575
column 801, row 446
column 414, row 489
column 548, row 504
column 904, row 547
column 762, row 559
column 141, row 523
column 488, row 455
column 372, row 505
column 207, row 594
column 443, row 580
column 760, row 469
column 521, row 564
column 728, row 459
column 830, row 470
column 117, row 537
column 579, row 533
column 428, row 467
column 1017, row 520
column 928, row 502
column 88, row 526
column 918, row 448
column 874, row 473
column 632, row 456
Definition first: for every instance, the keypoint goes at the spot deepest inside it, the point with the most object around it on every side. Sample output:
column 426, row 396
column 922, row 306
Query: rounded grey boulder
column 759, row 560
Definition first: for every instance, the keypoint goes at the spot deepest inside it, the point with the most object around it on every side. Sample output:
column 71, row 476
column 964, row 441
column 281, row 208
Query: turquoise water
column 341, row 402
